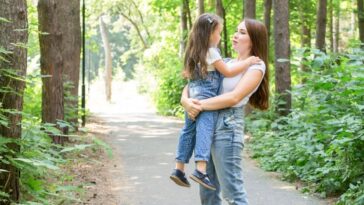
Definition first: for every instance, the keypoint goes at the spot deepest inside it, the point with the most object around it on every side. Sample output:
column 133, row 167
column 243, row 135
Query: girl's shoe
column 179, row 178
column 202, row 179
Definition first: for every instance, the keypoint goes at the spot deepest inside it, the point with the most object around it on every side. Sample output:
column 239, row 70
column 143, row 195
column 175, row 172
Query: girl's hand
column 192, row 107
column 253, row 60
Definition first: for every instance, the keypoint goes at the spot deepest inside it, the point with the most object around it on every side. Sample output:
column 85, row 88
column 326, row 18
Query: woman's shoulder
column 260, row 66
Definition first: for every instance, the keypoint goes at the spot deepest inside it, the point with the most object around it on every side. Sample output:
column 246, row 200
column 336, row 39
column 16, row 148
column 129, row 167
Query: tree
column 361, row 21
column 200, row 7
column 305, row 18
column 282, row 56
column 184, row 29
column 129, row 10
column 52, row 22
column 108, row 59
column 13, row 64
column 267, row 14
column 249, row 9
column 321, row 25
column 71, row 51
column 331, row 25
column 337, row 28
column 220, row 11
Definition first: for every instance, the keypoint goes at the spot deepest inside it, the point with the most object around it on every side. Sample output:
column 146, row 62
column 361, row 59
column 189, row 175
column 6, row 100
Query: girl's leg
column 186, row 143
column 205, row 127
column 184, row 152
column 201, row 166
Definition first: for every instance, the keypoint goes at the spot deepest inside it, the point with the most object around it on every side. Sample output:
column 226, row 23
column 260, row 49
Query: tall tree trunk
column 361, row 21
column 305, row 34
column 108, row 59
column 71, row 52
column 331, row 25
column 220, row 11
column 188, row 12
column 267, row 14
column 184, row 29
column 352, row 20
column 249, row 9
column 337, row 31
column 200, row 7
column 321, row 25
column 52, row 21
column 282, row 56
column 12, row 34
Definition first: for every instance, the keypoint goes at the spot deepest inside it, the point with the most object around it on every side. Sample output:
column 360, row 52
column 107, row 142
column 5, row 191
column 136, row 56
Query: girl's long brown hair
column 259, row 37
column 195, row 66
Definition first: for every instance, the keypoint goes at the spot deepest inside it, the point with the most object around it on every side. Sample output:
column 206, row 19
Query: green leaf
column 104, row 145
column 76, row 148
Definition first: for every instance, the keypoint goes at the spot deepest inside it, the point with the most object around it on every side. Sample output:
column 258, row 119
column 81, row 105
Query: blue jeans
column 197, row 135
column 225, row 168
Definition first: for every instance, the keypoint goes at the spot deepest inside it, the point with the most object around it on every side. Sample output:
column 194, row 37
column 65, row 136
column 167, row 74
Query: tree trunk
column 321, row 25
column 200, row 7
column 337, row 31
column 184, row 29
column 282, row 53
column 305, row 34
column 331, row 25
column 52, row 21
column 220, row 11
column 267, row 14
column 352, row 20
column 249, row 9
column 361, row 21
column 71, row 52
column 188, row 12
column 108, row 59
column 11, row 35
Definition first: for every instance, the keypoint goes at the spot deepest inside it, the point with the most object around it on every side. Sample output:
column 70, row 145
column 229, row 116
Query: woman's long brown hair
column 259, row 37
column 195, row 66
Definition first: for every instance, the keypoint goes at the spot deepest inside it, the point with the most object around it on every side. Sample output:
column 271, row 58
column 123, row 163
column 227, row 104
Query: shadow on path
column 146, row 144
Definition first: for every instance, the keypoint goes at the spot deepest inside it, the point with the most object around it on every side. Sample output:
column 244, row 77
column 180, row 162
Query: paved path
column 146, row 144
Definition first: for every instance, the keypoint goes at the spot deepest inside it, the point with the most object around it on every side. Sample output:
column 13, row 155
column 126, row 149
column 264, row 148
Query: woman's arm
column 192, row 106
column 245, row 86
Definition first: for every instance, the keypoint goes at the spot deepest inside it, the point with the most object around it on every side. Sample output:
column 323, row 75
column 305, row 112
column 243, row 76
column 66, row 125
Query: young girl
column 202, row 66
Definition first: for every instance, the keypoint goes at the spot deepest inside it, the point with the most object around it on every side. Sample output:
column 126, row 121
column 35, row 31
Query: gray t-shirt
column 228, row 84
column 213, row 55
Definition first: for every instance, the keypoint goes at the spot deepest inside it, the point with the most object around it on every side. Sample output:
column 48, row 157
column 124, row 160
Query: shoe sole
column 201, row 182
column 178, row 181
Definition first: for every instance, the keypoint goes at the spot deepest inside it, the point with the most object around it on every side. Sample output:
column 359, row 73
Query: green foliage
column 167, row 68
column 321, row 141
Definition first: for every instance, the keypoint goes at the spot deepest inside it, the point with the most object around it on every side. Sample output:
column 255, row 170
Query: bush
column 321, row 141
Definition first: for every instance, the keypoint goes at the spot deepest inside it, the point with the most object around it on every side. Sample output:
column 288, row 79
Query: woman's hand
column 192, row 107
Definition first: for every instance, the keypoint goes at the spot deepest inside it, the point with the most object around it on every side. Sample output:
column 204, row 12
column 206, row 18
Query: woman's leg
column 227, row 156
column 207, row 196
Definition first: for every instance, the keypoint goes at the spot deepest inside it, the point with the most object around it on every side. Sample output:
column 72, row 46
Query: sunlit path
column 146, row 144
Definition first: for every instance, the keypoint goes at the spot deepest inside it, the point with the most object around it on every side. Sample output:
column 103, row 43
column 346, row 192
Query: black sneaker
column 202, row 179
column 179, row 178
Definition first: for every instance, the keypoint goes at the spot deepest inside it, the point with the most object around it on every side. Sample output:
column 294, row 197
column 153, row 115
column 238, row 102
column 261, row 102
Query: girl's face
column 241, row 40
column 215, row 36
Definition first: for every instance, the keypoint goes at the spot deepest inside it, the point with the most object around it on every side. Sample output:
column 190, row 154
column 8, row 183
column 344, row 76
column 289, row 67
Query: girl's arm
column 246, row 85
column 236, row 68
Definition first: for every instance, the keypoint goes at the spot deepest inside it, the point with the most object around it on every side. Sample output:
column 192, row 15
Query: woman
column 224, row 168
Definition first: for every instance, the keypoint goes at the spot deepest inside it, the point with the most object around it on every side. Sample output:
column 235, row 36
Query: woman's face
column 241, row 40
